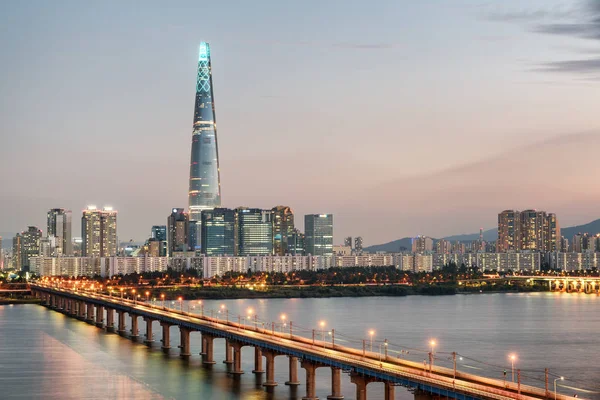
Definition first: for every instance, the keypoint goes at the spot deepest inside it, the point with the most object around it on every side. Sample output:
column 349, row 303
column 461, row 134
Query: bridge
column 577, row 284
column 363, row 366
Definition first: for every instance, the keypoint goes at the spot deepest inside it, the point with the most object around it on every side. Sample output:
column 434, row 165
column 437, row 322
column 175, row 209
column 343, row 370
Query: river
column 45, row 354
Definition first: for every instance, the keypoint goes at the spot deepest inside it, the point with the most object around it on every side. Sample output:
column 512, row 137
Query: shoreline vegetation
column 289, row 292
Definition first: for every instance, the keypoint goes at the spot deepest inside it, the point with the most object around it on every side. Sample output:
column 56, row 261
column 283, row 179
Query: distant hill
column 489, row 235
column 592, row 228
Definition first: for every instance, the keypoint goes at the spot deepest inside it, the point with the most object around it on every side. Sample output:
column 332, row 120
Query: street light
column 371, row 334
column 133, row 291
column 282, row 317
column 562, row 378
column 180, row 303
column 513, row 358
column 201, row 307
column 432, row 343
column 322, row 325
column 147, row 296
column 162, row 297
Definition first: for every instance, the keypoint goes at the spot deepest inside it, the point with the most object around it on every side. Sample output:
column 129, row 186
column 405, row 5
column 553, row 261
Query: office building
column 254, row 232
column 30, row 245
column 99, row 232
column 218, row 232
column 178, row 231
column 283, row 227
column 296, row 243
column 318, row 231
column 205, row 185
column 159, row 232
column 59, row 228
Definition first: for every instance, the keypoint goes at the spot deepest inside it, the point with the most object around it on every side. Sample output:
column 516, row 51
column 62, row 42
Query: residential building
column 30, row 245
column 177, row 231
column 59, row 227
column 99, row 232
column 422, row 244
column 283, row 227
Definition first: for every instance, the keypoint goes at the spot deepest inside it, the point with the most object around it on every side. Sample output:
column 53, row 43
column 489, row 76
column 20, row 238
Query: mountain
column 592, row 228
column 489, row 236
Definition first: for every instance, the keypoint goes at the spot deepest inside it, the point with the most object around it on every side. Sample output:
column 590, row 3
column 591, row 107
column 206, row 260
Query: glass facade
column 254, row 232
column 318, row 231
column 283, row 228
column 218, row 232
column 205, row 183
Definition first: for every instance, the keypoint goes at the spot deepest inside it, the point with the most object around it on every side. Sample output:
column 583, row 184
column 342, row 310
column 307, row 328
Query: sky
column 400, row 117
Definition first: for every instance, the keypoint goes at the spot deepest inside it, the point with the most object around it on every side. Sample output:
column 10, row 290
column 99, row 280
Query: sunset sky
column 399, row 117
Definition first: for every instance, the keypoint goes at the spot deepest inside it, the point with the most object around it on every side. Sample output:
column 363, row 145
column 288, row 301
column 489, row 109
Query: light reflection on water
column 48, row 355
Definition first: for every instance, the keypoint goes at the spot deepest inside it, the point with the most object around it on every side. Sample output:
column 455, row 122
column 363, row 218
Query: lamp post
column 162, row 298
column 322, row 325
column 133, row 291
column 371, row 334
column 513, row 358
column 282, row 317
column 147, row 296
column 562, row 378
column 180, row 303
column 201, row 307
column 431, row 355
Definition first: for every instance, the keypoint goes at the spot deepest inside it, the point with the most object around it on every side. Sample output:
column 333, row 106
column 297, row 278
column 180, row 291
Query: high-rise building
column 99, row 232
column 254, row 232
column 443, row 246
column 422, row 244
column 218, row 232
column 30, row 245
column 318, row 232
column 205, row 183
column 178, row 231
column 528, row 230
column 358, row 244
column 348, row 241
column 59, row 227
column 283, row 227
column 159, row 232
column 296, row 243
column 17, row 245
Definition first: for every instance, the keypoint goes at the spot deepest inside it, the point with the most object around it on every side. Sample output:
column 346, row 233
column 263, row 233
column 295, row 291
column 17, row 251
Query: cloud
column 579, row 21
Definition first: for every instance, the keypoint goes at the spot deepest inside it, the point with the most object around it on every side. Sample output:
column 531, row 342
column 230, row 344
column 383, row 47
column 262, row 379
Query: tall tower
column 205, row 182
column 59, row 227
column 99, row 232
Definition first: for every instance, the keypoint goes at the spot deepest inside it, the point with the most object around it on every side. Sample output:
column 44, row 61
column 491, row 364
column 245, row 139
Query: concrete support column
column 90, row 313
column 257, row 361
column 228, row 353
column 82, row 310
column 293, row 371
column 99, row 316
column 121, row 322
column 270, row 357
column 390, row 391
column 421, row 395
column 184, row 342
column 361, row 383
column 110, row 320
column 336, row 384
column 149, row 338
column 135, row 333
column 311, row 371
column 209, row 356
column 203, row 345
column 166, row 336
column 237, row 358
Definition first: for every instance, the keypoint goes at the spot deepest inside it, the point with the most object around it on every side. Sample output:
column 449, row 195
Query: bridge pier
column 90, row 314
column 121, row 322
column 184, row 342
column 237, row 358
column 135, row 333
column 361, row 383
column 422, row 395
column 149, row 338
column 99, row 316
column 270, row 357
column 389, row 391
column 110, row 320
column 166, row 336
column 293, row 371
column 311, row 372
column 228, row 353
column 81, row 310
column 257, row 361
column 336, row 384
column 208, row 357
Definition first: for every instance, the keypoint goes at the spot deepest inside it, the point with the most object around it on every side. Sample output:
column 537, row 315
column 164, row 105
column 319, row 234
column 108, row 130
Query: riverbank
column 197, row 293
column 8, row 300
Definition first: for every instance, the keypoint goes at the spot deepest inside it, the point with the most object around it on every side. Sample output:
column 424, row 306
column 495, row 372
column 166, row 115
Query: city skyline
column 506, row 114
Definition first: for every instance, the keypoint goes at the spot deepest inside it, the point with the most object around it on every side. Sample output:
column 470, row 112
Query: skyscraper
column 178, row 231
column 348, row 241
column 528, row 230
column 283, row 228
column 17, row 244
column 159, row 232
column 59, row 227
column 254, row 232
column 318, row 232
column 99, row 232
column 205, row 183
column 358, row 244
column 30, row 245
column 218, row 232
